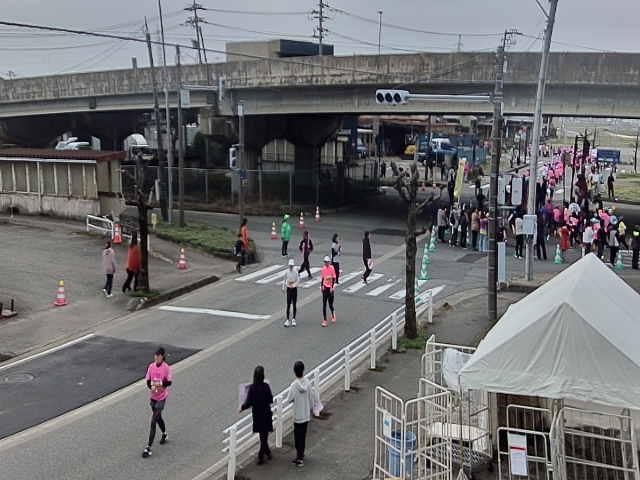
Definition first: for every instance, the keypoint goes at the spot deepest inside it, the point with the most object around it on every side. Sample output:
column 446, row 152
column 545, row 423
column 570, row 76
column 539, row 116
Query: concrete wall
column 33, row 204
column 582, row 68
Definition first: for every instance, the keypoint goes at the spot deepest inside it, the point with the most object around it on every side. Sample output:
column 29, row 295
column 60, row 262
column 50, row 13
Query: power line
column 411, row 29
column 385, row 46
column 256, row 12
column 258, row 32
column 140, row 40
column 46, row 49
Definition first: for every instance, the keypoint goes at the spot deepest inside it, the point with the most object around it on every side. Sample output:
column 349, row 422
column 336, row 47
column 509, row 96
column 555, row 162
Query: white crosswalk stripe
column 273, row 274
column 258, row 274
column 377, row 291
column 275, row 277
column 360, row 285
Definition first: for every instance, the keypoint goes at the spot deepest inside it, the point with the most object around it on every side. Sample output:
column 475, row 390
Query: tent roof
column 573, row 338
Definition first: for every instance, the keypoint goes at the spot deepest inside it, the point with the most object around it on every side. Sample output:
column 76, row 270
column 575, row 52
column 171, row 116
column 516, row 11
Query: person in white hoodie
column 290, row 285
column 301, row 395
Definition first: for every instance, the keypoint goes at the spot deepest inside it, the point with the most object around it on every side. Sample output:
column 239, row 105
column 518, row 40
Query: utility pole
column 635, row 154
column 496, row 134
column 573, row 167
column 194, row 21
column 167, row 114
column 459, row 46
column 380, row 32
column 241, row 162
column 537, row 119
column 320, row 31
column 180, row 139
column 156, row 112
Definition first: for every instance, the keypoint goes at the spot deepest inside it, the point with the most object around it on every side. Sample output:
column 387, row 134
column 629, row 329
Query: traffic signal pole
column 537, row 122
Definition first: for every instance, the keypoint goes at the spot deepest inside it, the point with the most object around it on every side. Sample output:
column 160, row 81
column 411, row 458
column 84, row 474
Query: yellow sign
column 457, row 191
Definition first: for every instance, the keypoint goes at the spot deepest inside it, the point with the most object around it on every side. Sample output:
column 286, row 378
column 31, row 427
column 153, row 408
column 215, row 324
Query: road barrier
column 239, row 437
column 100, row 224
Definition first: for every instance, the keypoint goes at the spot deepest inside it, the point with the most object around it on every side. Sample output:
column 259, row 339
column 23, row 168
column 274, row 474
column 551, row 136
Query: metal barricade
column 470, row 421
column 101, row 225
column 538, row 464
column 591, row 445
column 412, row 438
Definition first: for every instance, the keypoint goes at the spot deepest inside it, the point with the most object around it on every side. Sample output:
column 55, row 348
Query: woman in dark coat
column 259, row 399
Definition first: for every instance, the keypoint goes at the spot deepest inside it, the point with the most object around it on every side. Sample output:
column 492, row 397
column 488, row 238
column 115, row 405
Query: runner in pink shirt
column 327, row 285
column 158, row 381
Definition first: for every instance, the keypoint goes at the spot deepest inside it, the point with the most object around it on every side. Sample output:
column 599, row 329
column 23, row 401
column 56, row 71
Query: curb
column 171, row 294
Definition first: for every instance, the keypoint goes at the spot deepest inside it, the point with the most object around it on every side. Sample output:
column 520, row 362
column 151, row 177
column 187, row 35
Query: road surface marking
column 275, row 277
column 138, row 387
column 382, row 289
column 216, row 313
column 46, row 352
column 357, row 286
column 312, row 282
column 259, row 273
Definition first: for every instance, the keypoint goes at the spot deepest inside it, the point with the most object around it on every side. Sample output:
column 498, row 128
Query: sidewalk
column 38, row 252
column 341, row 447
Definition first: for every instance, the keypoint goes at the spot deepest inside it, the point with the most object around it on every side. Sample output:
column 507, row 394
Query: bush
column 216, row 241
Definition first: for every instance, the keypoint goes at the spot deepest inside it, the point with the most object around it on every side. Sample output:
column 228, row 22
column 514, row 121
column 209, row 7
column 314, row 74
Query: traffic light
column 392, row 97
column 233, row 158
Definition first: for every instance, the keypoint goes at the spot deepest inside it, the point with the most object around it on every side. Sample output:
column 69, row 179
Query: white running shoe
column 293, row 322
column 286, row 323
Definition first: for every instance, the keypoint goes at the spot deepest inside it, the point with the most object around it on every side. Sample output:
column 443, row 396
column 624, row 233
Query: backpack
column 237, row 248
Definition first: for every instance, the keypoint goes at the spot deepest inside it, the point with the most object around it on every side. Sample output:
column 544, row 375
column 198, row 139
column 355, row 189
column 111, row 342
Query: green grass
column 213, row 240
column 627, row 187
column 417, row 343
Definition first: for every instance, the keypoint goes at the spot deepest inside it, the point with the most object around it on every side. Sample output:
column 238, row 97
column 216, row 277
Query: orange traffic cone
column 317, row 214
column 274, row 235
column 182, row 261
column 117, row 234
column 61, row 298
column 301, row 222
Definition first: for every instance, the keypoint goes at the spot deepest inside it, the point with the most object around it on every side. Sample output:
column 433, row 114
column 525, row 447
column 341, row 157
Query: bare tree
column 143, row 206
column 407, row 186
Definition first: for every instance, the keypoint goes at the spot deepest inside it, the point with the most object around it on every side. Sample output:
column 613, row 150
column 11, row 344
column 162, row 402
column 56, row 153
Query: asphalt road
column 222, row 332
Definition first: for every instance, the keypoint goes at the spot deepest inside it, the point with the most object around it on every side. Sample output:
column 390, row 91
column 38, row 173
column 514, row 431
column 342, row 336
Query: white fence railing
column 239, row 437
column 100, row 224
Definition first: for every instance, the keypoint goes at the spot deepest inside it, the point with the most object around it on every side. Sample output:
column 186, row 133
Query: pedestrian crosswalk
column 378, row 284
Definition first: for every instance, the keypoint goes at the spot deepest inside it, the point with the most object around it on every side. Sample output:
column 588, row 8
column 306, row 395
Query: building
column 63, row 183
column 278, row 48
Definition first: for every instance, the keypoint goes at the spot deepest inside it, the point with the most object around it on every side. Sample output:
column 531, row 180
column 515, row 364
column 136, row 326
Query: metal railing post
column 394, row 331
column 372, row 349
column 279, row 421
column 231, row 464
column 430, row 306
column 314, row 379
column 347, row 370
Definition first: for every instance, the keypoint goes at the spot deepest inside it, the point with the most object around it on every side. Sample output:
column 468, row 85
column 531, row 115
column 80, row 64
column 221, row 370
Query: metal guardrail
column 100, row 224
column 239, row 437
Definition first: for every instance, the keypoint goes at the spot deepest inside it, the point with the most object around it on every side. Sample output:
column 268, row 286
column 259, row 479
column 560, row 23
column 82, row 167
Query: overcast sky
column 580, row 25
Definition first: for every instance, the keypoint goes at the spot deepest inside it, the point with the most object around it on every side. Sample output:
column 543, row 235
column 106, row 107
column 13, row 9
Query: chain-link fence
column 220, row 189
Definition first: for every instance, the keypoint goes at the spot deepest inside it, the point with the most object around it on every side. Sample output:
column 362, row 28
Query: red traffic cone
column 117, row 234
column 61, row 298
column 274, row 235
column 317, row 214
column 182, row 261
column 301, row 221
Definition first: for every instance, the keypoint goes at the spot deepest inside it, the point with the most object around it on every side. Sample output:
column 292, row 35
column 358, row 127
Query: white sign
column 517, row 454
column 241, row 109
column 185, row 98
column 502, row 262
column 529, row 224
column 516, row 191
column 386, row 424
column 501, row 191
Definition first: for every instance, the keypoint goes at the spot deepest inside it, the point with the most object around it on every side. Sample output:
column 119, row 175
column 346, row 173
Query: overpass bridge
column 579, row 84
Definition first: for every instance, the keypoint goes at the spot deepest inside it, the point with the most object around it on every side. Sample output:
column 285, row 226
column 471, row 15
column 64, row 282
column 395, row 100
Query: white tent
column 577, row 337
